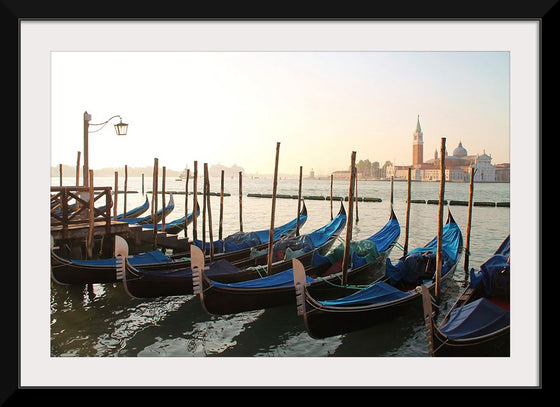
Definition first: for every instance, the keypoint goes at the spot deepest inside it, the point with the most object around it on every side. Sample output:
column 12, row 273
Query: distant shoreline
column 70, row 171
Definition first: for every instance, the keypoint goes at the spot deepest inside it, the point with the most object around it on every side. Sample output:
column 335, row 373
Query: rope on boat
column 349, row 286
column 397, row 245
column 441, row 345
column 434, row 302
column 258, row 269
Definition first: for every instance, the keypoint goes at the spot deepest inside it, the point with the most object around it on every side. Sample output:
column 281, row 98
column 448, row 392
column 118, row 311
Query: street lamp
column 120, row 129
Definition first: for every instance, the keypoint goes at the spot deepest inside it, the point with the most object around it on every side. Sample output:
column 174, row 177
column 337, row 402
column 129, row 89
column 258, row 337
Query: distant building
column 417, row 145
column 216, row 170
column 502, row 172
column 457, row 165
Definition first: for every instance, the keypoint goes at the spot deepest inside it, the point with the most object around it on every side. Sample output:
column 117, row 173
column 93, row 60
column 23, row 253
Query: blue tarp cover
column 303, row 244
column 478, row 318
column 281, row 231
column 408, row 267
column 218, row 245
column 241, row 240
column 215, row 269
column 382, row 292
column 283, row 279
column 286, row 278
column 494, row 272
column 313, row 240
column 155, row 256
column 387, row 235
column 320, row 236
column 377, row 293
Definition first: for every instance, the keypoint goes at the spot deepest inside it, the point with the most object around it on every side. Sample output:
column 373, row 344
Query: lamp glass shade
column 121, row 129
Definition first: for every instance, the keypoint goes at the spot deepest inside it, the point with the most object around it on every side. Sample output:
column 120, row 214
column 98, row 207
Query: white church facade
column 457, row 165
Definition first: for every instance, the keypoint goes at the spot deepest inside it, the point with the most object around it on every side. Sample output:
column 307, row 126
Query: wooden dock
column 80, row 225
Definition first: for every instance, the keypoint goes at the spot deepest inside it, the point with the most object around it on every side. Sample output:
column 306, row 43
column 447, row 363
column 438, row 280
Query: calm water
column 102, row 320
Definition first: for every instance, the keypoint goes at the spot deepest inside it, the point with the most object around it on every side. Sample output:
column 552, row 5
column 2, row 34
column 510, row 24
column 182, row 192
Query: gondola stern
column 303, row 211
column 121, row 255
column 56, row 261
column 429, row 316
column 342, row 211
column 197, row 267
column 126, row 268
column 299, row 285
column 393, row 215
column 450, row 218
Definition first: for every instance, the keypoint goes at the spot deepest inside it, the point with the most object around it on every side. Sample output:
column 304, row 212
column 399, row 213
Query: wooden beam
column 439, row 253
column 407, row 222
column 271, row 231
column 299, row 199
column 469, row 219
column 349, row 220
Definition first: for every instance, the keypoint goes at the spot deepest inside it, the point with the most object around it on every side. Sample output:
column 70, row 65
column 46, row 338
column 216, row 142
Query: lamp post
column 120, row 129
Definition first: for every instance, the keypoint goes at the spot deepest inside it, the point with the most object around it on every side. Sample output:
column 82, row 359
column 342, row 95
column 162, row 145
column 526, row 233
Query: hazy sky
column 232, row 107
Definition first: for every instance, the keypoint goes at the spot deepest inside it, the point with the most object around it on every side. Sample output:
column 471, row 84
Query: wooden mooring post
column 195, row 199
column 407, row 219
column 204, row 193
column 210, row 234
column 299, row 199
column 439, row 253
column 155, row 201
column 89, row 244
column 356, row 194
column 332, row 176
column 125, row 186
column 349, row 220
column 187, row 203
column 115, row 196
column 272, row 213
column 78, row 168
column 162, row 199
column 469, row 219
column 240, row 202
column 220, row 227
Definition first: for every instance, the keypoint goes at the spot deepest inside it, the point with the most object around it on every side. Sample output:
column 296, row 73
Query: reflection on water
column 102, row 320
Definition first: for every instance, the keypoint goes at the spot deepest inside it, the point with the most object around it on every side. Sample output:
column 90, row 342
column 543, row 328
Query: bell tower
column 418, row 145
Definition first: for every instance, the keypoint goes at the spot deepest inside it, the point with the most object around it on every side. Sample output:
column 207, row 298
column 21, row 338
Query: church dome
column 460, row 151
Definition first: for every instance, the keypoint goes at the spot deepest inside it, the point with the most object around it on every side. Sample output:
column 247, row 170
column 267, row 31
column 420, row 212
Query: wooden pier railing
column 72, row 206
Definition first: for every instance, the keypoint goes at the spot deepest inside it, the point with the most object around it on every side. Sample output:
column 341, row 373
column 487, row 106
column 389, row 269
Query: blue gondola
column 323, row 276
column 391, row 295
column 478, row 322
